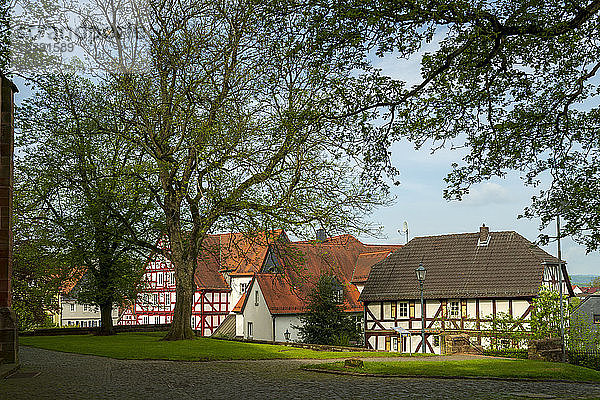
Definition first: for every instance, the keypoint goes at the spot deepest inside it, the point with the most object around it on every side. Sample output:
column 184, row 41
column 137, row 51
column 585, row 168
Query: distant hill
column 582, row 280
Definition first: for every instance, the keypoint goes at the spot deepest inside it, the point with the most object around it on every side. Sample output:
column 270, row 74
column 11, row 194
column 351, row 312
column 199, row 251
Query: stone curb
column 7, row 369
column 478, row 378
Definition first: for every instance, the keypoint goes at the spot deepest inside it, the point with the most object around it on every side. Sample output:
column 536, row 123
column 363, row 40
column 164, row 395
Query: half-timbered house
column 471, row 279
column 156, row 300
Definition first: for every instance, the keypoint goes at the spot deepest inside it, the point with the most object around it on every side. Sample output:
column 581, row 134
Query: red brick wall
column 6, row 182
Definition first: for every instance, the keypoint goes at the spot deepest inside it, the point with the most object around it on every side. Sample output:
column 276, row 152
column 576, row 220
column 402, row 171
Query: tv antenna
column 404, row 230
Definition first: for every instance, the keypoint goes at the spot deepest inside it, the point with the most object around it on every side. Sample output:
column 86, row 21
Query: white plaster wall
column 79, row 315
column 239, row 325
column 283, row 322
column 236, row 284
column 502, row 306
column 471, row 308
column 259, row 315
column 375, row 309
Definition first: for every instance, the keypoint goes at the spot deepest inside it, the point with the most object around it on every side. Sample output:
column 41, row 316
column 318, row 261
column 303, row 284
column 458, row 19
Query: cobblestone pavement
column 74, row 376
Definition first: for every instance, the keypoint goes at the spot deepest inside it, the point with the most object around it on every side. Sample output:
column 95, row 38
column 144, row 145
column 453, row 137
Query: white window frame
column 403, row 309
column 250, row 330
column 244, row 287
column 86, row 307
column 168, row 299
column 454, row 309
column 72, row 307
column 155, row 298
column 145, row 320
column 160, row 278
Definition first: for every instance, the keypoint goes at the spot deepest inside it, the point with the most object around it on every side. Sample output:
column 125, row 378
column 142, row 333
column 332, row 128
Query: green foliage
column 595, row 282
column 545, row 317
column 81, row 188
column 514, row 82
column 507, row 334
column 325, row 321
column 37, row 276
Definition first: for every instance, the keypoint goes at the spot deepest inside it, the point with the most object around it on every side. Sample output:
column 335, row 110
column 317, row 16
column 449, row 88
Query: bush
column 510, row 353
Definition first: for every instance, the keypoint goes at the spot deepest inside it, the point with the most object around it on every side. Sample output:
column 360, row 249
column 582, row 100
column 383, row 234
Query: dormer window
column 271, row 264
column 484, row 236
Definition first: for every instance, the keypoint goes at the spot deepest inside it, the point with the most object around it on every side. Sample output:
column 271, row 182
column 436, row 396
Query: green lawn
column 499, row 368
column 148, row 345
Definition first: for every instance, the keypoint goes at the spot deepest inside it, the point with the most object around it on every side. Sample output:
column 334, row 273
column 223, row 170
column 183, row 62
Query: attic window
column 271, row 265
column 597, row 318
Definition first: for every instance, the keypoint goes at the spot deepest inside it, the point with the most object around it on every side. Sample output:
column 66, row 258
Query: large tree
column 226, row 101
column 514, row 82
column 79, row 186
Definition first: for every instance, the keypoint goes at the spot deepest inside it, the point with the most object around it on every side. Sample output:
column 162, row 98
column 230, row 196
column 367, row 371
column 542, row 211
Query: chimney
column 321, row 235
column 484, row 235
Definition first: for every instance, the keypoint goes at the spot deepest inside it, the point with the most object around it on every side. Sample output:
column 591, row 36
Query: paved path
column 74, row 376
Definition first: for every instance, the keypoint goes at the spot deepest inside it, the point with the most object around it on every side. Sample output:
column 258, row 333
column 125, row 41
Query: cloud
column 487, row 193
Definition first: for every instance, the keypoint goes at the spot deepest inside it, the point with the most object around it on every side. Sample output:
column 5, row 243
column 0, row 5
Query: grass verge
column 147, row 345
column 495, row 368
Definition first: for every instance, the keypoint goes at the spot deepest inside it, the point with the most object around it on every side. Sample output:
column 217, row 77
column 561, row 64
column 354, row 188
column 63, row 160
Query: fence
column 589, row 358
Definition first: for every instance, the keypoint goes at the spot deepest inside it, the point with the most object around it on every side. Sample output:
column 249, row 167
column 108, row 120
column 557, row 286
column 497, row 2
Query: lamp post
column 421, row 271
column 560, row 290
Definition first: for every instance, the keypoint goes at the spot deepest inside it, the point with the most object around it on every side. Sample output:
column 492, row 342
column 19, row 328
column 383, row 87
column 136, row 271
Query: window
column 403, row 312
column 168, row 299
column 249, row 332
column 155, row 298
column 256, row 298
column 160, row 278
column 72, row 307
column 244, row 287
column 145, row 320
column 454, row 309
column 86, row 307
column 597, row 318
column 393, row 310
column 172, row 278
column 338, row 291
column 70, row 323
column 436, row 341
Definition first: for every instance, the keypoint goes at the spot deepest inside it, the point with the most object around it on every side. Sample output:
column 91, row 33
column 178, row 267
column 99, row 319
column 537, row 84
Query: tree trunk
column 181, row 328
column 106, row 322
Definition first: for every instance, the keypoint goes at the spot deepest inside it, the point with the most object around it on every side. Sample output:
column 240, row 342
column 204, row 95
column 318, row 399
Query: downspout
column 365, row 324
column 273, row 317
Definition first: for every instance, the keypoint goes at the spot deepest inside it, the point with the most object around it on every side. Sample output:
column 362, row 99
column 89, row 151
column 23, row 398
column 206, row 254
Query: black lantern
column 287, row 335
column 421, row 272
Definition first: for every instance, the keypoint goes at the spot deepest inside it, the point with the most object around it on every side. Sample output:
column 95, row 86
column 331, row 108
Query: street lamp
column 421, row 272
column 287, row 335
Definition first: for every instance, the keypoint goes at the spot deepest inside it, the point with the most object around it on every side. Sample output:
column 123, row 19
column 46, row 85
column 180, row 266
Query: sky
column 495, row 203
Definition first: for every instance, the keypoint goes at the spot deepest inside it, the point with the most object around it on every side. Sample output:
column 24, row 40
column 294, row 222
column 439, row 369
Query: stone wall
column 545, row 349
column 460, row 343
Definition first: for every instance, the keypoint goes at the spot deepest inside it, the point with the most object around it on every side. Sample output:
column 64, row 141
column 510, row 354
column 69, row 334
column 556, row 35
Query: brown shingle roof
column 508, row 266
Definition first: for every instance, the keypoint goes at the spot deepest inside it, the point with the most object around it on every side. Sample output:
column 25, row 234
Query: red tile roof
column 283, row 298
column 243, row 254
column 72, row 279
column 302, row 264
column 364, row 263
